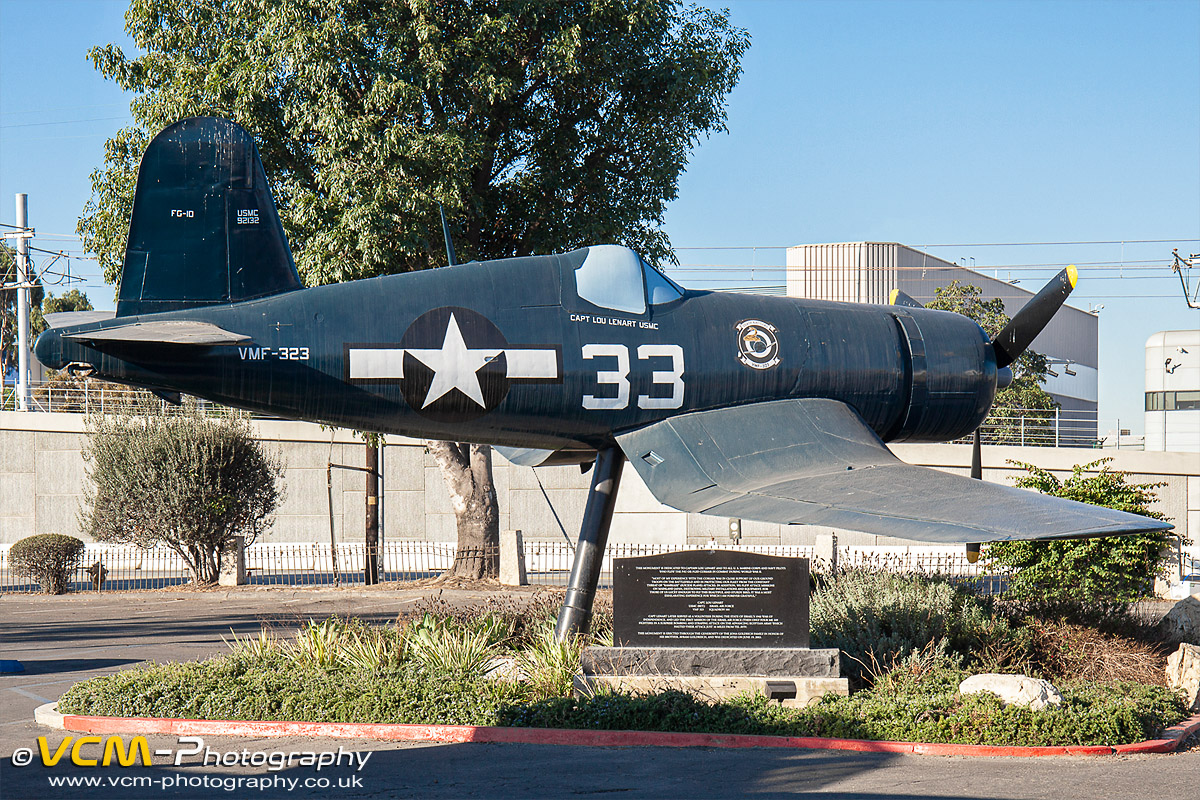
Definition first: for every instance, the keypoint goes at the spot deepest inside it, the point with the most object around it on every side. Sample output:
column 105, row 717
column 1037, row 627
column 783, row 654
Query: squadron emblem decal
column 453, row 364
column 758, row 344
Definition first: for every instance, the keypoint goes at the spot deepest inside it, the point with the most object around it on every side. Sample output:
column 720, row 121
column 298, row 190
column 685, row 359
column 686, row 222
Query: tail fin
column 204, row 228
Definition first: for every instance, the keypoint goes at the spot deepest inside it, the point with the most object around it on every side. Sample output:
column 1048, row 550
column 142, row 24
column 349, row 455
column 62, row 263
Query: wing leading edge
column 816, row 462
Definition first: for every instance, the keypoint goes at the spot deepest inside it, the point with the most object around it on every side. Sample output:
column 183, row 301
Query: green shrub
column 879, row 618
column 341, row 671
column 923, row 711
column 48, row 558
column 184, row 479
column 332, row 644
column 550, row 666
column 233, row 688
column 1105, row 569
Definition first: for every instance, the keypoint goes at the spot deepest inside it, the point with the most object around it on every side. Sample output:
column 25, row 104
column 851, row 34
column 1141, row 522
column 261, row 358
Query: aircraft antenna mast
column 450, row 259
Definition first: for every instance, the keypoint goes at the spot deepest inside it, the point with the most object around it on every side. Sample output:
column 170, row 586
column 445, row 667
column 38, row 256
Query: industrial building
column 866, row 272
column 1173, row 391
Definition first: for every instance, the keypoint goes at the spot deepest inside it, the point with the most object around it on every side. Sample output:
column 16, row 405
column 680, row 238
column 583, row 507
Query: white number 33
column 619, row 377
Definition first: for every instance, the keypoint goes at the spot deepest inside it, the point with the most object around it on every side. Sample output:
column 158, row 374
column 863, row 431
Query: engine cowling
column 950, row 375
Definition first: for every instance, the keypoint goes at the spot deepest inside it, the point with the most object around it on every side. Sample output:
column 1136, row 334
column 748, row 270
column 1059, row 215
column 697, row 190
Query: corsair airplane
column 766, row 408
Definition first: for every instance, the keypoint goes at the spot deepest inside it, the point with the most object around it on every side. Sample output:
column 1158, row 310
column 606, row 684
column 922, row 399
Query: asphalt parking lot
column 61, row 640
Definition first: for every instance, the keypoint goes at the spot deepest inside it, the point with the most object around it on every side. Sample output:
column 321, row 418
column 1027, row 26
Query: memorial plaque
column 710, row 598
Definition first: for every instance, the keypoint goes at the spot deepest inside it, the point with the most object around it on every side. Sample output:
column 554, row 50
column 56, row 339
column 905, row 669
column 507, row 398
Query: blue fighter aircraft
column 764, row 408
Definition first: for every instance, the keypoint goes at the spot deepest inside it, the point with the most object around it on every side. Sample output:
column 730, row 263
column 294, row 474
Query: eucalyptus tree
column 540, row 126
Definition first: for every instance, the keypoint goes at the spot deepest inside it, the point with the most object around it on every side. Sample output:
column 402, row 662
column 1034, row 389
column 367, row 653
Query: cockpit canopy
column 615, row 277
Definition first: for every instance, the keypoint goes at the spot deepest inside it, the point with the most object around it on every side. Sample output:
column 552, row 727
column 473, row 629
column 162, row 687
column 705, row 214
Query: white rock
column 1183, row 672
column 1183, row 620
column 502, row 668
column 1020, row 690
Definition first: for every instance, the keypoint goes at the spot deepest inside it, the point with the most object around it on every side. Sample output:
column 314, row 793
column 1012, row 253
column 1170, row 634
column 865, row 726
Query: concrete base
column 764, row 662
column 712, row 687
column 233, row 564
column 794, row 676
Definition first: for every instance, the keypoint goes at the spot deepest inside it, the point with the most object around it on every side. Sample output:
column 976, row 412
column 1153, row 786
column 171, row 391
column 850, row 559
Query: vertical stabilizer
column 204, row 228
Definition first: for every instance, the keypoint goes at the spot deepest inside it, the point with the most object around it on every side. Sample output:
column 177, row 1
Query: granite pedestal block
column 796, row 676
column 763, row 662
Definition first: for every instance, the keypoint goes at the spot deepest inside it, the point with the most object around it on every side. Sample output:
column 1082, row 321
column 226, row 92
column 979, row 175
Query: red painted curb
column 1172, row 737
column 562, row 736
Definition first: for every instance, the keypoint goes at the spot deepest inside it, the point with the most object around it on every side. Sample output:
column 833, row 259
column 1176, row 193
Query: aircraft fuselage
column 487, row 352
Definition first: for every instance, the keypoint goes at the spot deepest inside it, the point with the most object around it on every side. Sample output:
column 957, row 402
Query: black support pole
column 371, row 564
column 576, row 613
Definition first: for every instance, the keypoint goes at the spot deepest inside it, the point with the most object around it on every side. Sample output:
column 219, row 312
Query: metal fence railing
column 548, row 563
column 1056, row 427
column 1024, row 427
column 109, row 568
column 87, row 396
column 949, row 562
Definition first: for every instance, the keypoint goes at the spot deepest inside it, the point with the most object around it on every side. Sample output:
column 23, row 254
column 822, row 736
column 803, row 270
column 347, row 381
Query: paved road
column 65, row 639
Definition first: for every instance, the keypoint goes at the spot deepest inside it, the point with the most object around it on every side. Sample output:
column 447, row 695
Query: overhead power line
column 957, row 244
column 61, row 122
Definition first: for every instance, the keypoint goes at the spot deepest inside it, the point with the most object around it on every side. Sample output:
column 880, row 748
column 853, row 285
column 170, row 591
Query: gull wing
column 815, row 462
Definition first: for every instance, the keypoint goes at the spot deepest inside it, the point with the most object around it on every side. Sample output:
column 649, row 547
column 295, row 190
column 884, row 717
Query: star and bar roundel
column 453, row 364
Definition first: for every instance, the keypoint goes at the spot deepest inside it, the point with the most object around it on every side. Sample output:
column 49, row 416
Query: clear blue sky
column 918, row 122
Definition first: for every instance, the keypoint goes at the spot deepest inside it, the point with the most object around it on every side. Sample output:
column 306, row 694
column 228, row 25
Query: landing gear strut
column 576, row 613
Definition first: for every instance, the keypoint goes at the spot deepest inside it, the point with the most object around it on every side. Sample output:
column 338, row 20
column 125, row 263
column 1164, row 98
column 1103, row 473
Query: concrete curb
column 48, row 715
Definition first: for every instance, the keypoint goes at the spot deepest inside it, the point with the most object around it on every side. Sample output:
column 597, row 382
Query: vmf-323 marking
column 280, row 353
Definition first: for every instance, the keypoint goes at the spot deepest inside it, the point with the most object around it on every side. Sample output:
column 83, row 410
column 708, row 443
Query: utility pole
column 24, row 281
column 1183, row 266
column 371, row 567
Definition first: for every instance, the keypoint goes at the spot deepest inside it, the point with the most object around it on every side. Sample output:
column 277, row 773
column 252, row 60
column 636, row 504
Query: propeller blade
column 1037, row 313
column 976, row 458
column 899, row 298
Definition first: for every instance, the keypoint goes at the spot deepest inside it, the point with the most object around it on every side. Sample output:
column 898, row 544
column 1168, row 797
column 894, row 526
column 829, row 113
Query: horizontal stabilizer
column 532, row 457
column 65, row 319
column 184, row 332
column 816, row 462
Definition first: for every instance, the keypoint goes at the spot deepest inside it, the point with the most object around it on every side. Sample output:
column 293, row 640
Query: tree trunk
column 467, row 471
column 205, row 565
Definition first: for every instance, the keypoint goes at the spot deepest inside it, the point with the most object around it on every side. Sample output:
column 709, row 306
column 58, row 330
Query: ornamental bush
column 878, row 618
column 48, row 558
column 190, row 481
column 1099, row 570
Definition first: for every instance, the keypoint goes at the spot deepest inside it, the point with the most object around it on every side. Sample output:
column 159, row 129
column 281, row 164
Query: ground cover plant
column 498, row 664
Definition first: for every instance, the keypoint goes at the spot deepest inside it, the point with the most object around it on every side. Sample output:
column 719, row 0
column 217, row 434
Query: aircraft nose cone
column 49, row 349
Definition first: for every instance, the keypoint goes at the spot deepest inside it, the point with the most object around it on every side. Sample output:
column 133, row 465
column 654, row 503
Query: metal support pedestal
column 576, row 613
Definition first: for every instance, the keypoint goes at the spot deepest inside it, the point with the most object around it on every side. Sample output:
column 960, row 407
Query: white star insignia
column 455, row 366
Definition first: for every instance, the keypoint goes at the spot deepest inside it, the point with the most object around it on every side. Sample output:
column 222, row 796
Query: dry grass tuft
column 1063, row 650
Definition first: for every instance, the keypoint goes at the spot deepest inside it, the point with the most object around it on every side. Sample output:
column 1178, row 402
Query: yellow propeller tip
column 1072, row 275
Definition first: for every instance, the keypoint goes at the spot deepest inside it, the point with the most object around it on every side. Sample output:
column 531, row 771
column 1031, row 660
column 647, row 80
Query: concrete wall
column 42, row 479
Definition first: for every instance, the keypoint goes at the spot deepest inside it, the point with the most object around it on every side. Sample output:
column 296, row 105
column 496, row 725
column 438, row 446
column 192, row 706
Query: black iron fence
column 547, row 563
